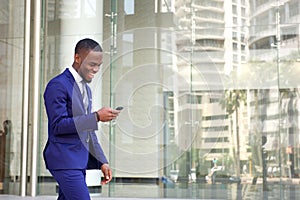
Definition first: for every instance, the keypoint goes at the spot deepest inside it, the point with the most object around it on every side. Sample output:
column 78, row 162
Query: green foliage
column 232, row 100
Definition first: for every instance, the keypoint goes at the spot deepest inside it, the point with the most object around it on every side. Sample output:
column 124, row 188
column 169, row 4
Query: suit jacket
column 72, row 142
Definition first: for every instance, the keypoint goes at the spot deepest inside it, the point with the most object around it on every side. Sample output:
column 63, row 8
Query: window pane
column 11, row 85
column 209, row 90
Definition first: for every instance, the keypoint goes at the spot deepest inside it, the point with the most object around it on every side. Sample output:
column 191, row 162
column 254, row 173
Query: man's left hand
column 107, row 173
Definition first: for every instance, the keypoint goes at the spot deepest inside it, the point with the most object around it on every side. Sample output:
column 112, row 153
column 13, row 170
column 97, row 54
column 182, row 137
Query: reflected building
column 214, row 34
column 273, row 22
column 274, row 25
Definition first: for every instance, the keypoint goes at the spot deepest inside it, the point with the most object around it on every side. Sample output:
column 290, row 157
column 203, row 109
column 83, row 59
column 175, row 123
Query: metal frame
column 35, row 73
column 26, row 63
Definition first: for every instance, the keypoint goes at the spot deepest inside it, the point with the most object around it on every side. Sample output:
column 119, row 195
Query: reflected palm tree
column 231, row 102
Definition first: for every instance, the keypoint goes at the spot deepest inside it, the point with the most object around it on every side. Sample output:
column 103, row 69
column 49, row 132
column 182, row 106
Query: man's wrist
column 104, row 165
column 97, row 116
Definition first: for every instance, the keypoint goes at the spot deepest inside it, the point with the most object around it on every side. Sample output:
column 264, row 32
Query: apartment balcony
column 212, row 20
column 224, row 122
column 259, row 10
column 260, row 33
column 216, row 145
column 210, row 44
column 208, row 62
column 216, row 6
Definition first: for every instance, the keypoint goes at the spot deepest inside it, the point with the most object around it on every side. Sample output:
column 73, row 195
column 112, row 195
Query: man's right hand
column 106, row 114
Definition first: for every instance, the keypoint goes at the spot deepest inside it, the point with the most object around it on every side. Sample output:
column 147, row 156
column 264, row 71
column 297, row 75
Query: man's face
column 89, row 63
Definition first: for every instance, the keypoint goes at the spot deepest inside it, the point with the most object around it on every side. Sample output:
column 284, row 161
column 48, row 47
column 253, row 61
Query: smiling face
column 87, row 64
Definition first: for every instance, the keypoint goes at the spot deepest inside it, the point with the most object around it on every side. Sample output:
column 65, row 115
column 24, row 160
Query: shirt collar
column 76, row 76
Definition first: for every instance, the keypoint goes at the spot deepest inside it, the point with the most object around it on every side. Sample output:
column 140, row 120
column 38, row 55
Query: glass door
column 11, row 87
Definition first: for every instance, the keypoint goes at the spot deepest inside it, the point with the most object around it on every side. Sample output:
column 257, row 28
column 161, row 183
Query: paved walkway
column 11, row 197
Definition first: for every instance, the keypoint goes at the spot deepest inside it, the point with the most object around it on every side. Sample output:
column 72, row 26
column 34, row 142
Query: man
column 72, row 145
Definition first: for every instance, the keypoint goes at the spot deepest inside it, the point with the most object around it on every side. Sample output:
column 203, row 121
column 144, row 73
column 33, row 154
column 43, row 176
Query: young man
column 72, row 145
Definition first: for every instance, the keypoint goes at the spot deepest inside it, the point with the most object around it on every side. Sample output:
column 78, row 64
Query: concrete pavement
column 12, row 197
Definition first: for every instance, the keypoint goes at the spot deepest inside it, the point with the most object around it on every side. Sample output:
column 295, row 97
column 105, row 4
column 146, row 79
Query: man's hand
column 107, row 114
column 107, row 173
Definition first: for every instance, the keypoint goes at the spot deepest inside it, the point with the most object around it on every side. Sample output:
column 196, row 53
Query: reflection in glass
column 209, row 89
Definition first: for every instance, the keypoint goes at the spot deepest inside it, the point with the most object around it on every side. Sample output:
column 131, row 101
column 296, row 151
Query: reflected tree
column 231, row 102
column 256, row 133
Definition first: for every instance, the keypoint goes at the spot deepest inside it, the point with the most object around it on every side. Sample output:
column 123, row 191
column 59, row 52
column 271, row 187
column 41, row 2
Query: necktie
column 84, row 96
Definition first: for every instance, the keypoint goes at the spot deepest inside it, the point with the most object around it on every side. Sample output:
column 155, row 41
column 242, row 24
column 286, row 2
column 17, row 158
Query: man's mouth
column 91, row 75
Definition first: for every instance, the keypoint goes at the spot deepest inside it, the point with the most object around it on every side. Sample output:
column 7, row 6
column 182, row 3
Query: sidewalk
column 11, row 197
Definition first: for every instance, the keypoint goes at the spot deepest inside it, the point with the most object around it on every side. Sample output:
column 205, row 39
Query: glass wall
column 65, row 23
column 210, row 93
column 209, row 90
column 11, row 87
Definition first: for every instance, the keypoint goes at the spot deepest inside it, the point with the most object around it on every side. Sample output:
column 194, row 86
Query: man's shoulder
column 62, row 77
column 61, row 80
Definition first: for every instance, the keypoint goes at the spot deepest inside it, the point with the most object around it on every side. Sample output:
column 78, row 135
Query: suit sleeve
column 63, row 110
column 96, row 155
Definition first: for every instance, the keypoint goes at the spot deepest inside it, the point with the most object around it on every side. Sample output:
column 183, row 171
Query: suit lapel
column 76, row 94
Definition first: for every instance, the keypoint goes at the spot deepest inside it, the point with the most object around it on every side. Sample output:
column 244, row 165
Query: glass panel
column 66, row 22
column 210, row 100
column 11, row 76
column 209, row 90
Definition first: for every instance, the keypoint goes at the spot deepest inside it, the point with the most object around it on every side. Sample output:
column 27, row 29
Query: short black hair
column 87, row 44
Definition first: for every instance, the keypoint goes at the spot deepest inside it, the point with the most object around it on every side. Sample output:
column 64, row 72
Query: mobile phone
column 119, row 108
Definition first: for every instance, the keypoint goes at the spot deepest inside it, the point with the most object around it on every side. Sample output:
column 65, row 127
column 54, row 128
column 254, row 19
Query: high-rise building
column 214, row 34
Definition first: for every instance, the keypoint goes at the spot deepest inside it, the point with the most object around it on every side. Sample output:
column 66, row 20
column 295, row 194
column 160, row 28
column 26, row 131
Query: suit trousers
column 72, row 184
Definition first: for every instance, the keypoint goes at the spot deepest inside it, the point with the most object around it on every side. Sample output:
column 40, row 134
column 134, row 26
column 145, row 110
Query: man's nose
column 96, row 69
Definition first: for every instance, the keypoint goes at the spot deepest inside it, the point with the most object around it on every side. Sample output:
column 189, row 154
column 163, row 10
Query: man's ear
column 77, row 58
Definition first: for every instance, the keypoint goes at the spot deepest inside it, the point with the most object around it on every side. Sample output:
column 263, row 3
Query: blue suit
column 72, row 143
